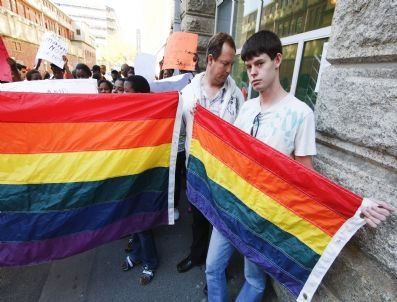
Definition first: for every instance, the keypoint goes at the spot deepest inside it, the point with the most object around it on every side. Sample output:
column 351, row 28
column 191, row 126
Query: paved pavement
column 95, row 276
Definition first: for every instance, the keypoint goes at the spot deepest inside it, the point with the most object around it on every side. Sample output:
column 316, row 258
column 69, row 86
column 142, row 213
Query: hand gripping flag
column 77, row 171
column 286, row 218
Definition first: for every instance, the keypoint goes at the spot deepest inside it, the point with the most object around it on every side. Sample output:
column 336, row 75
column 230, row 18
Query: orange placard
column 5, row 71
column 180, row 52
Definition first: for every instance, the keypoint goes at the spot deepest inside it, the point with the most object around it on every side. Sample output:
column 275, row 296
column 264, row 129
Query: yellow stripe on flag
column 80, row 166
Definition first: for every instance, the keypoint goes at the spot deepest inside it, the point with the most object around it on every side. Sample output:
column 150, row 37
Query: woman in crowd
column 83, row 71
column 118, row 86
column 136, row 84
column 105, row 86
column 144, row 248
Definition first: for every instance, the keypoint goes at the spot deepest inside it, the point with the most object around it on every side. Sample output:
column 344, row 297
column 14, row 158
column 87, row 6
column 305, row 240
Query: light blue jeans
column 219, row 252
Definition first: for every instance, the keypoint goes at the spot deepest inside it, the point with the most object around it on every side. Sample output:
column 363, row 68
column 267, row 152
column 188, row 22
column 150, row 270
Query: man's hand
column 194, row 109
column 377, row 213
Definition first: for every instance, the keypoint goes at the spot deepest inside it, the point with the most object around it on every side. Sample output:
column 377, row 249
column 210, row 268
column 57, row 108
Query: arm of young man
column 305, row 160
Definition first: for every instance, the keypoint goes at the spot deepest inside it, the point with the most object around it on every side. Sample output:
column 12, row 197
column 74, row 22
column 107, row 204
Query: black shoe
column 185, row 265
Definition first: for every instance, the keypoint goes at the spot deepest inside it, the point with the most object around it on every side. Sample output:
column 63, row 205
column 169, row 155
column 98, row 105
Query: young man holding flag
column 283, row 122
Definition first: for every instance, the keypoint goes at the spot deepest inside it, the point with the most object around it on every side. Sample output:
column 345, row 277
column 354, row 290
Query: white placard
column 145, row 65
column 52, row 48
column 175, row 83
column 53, row 86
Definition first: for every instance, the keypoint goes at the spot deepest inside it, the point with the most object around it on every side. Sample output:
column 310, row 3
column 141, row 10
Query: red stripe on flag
column 60, row 108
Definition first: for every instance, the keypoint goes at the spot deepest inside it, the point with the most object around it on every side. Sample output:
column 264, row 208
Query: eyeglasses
column 255, row 125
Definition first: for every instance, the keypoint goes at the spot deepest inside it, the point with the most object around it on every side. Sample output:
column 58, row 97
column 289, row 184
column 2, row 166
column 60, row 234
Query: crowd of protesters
column 262, row 117
column 118, row 81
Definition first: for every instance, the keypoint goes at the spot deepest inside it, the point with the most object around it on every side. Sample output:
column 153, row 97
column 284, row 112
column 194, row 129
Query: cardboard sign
column 5, row 71
column 145, row 65
column 180, row 52
column 52, row 48
column 53, row 86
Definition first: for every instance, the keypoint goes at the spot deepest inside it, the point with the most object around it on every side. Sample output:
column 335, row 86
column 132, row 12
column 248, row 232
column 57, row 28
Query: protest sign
column 52, row 48
column 5, row 71
column 180, row 52
column 53, row 86
column 175, row 83
column 145, row 65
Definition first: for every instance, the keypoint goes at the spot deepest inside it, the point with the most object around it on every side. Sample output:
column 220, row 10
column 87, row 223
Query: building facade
column 100, row 18
column 25, row 21
column 340, row 57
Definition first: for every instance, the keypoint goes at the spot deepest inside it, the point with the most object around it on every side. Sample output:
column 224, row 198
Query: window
column 78, row 32
column 285, row 19
column 308, row 72
column 223, row 19
column 287, row 66
column 245, row 20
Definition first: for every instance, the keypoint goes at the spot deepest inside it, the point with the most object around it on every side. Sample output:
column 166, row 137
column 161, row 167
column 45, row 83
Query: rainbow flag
column 286, row 218
column 77, row 171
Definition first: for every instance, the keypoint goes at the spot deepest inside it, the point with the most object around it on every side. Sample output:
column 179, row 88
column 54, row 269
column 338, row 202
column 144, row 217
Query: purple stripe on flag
column 35, row 252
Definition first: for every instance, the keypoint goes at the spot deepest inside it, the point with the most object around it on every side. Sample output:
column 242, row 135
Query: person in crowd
column 124, row 70
column 118, row 86
column 61, row 73
column 144, row 249
column 103, row 72
column 266, row 118
column 22, row 71
column 46, row 76
column 82, row 71
column 167, row 73
column 131, row 71
column 96, row 73
column 215, row 90
column 33, row 75
column 115, row 75
column 136, row 84
column 16, row 76
column 104, row 86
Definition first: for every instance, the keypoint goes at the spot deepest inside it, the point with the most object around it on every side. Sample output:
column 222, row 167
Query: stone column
column 356, row 118
column 198, row 16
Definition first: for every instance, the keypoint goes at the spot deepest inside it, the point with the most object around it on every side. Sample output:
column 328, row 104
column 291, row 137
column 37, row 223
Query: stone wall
column 198, row 16
column 356, row 116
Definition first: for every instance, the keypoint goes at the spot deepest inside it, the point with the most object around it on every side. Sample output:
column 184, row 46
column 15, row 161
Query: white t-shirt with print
column 287, row 126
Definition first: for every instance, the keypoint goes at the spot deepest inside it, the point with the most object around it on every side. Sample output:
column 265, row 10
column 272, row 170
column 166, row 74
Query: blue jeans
column 144, row 249
column 219, row 252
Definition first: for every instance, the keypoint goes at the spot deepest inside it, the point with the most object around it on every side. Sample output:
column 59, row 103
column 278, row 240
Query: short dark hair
column 30, row 74
column 131, row 69
column 96, row 68
column 215, row 44
column 138, row 83
column 262, row 42
column 110, row 85
column 114, row 71
column 84, row 68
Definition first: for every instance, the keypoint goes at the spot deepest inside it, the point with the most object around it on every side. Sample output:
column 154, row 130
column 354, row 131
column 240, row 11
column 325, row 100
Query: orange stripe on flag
column 31, row 138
